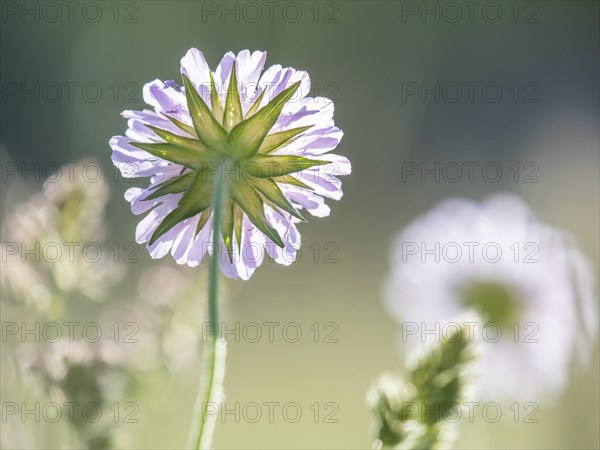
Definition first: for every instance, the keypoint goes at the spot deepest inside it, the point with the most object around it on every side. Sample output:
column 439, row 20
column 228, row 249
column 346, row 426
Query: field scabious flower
column 532, row 287
column 257, row 136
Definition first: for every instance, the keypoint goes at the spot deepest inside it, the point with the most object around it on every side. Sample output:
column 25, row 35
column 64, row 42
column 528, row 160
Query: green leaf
column 277, row 140
column 256, row 104
column 247, row 136
column 208, row 129
column 269, row 166
column 238, row 216
column 203, row 219
column 227, row 226
column 217, row 107
column 175, row 154
column 196, row 199
column 271, row 191
column 173, row 186
column 288, row 179
column 233, row 107
column 180, row 141
column 246, row 196
column 273, row 206
column 181, row 125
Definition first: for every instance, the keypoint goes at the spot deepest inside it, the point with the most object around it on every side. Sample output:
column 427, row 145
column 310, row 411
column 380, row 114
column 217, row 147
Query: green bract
column 233, row 149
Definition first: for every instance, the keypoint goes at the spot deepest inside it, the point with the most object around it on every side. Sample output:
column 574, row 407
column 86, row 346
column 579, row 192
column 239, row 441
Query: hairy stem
column 213, row 366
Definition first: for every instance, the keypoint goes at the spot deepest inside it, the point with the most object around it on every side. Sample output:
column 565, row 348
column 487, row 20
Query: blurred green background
column 362, row 54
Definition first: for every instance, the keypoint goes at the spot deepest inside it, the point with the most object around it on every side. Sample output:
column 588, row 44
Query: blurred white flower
column 534, row 290
column 162, row 330
column 52, row 245
column 76, row 373
column 168, row 297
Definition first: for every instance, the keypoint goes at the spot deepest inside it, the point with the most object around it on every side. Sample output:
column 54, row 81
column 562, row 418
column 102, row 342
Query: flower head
column 256, row 138
column 533, row 289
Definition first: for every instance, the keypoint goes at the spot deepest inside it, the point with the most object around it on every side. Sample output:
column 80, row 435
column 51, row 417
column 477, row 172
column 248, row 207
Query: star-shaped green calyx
column 234, row 149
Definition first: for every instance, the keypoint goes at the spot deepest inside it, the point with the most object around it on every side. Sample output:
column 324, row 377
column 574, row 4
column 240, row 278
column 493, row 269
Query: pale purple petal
column 183, row 241
column 222, row 75
column 148, row 224
column 194, row 66
column 306, row 111
column 275, row 79
column 306, row 199
column 286, row 228
column 148, row 117
column 321, row 182
column 133, row 162
column 249, row 67
column 200, row 245
column 132, row 195
column 313, row 143
column 164, row 99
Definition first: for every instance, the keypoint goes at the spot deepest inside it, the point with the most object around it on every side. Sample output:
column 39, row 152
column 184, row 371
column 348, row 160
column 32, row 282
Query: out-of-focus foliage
column 420, row 413
column 94, row 374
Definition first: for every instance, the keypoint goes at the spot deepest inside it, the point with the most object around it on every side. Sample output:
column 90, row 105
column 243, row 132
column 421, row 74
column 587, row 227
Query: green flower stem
column 213, row 366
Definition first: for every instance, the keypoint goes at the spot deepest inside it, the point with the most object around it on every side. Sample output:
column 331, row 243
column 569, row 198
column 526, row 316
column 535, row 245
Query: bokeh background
column 361, row 54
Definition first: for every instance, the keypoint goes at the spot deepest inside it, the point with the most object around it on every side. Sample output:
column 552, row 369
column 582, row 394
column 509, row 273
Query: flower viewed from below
column 533, row 289
column 259, row 138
